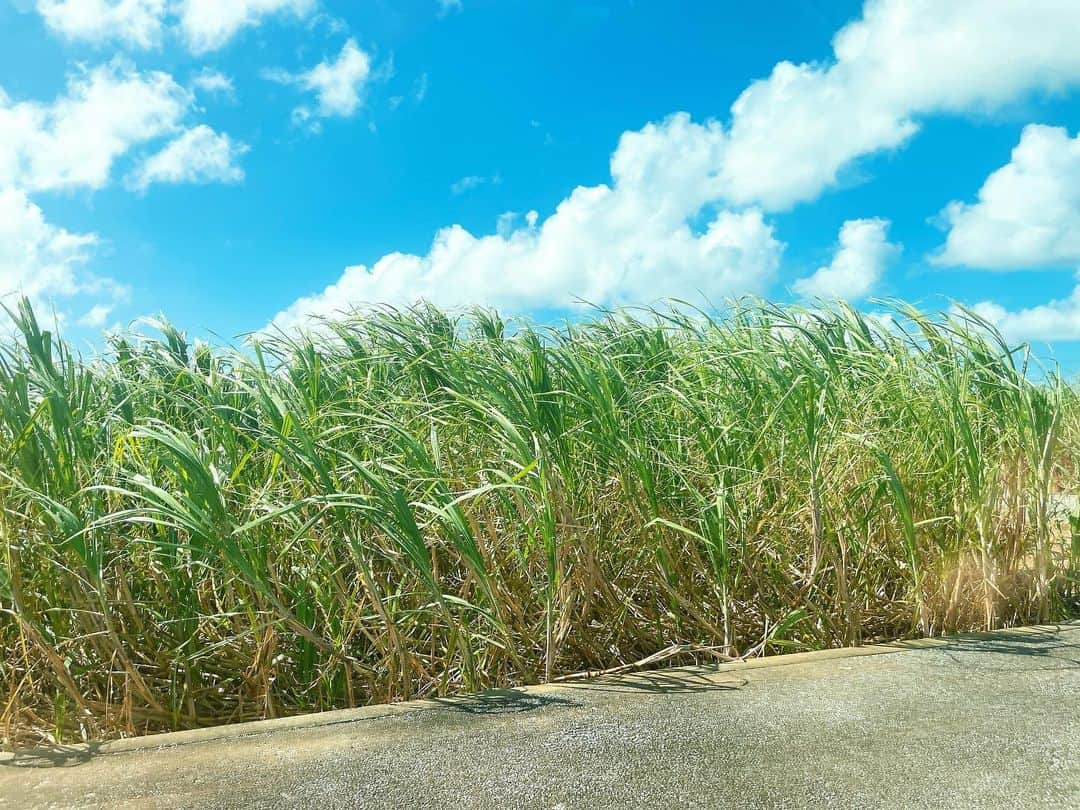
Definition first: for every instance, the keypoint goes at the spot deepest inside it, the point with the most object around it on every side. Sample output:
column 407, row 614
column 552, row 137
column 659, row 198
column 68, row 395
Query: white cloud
column 1058, row 320
column 96, row 316
column 213, row 81
column 469, row 182
column 205, row 25
column 199, row 155
column 105, row 113
column 75, row 140
column 43, row 261
column 1028, row 211
column 208, row 25
column 420, row 88
column 631, row 241
column 792, row 134
column 790, row 137
column 1027, row 216
column 49, row 265
column 860, row 261
column 418, row 92
column 338, row 84
column 447, row 6
column 134, row 22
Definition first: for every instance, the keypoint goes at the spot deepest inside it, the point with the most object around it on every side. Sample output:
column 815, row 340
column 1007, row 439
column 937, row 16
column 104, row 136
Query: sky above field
column 241, row 163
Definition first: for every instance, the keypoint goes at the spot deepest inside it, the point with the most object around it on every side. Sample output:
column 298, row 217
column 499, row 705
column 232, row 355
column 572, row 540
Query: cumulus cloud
column 96, row 316
column 50, row 265
column 1058, row 320
column 792, row 134
column 1027, row 215
column 199, row 155
column 75, row 140
column 1028, row 211
column 105, row 113
column 43, row 261
column 208, row 25
column 205, row 25
column 338, row 84
column 214, row 82
column 860, row 260
column 633, row 241
column 683, row 212
column 134, row 22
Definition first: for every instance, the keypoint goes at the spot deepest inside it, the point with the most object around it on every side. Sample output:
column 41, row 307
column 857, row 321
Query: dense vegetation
column 412, row 504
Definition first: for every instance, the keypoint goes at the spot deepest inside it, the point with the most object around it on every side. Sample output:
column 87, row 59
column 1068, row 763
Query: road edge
column 691, row 674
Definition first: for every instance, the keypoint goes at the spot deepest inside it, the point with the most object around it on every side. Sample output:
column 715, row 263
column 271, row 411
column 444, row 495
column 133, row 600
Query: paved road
column 993, row 722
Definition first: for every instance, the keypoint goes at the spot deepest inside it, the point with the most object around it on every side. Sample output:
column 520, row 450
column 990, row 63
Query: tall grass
column 413, row 504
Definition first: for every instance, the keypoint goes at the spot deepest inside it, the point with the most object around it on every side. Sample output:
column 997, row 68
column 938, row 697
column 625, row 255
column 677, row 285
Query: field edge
column 256, row 728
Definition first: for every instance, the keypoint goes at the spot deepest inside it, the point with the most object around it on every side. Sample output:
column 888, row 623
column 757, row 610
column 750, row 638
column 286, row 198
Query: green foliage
column 408, row 503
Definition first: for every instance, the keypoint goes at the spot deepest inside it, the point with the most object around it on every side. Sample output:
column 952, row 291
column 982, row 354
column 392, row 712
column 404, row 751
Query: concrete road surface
column 992, row 721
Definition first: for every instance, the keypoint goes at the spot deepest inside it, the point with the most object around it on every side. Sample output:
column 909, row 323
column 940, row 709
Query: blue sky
column 224, row 163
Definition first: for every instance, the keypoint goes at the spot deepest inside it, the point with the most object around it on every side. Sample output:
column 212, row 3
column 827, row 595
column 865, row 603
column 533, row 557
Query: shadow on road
column 515, row 701
column 59, row 756
column 661, row 683
column 1047, row 651
column 502, row 701
column 992, row 652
